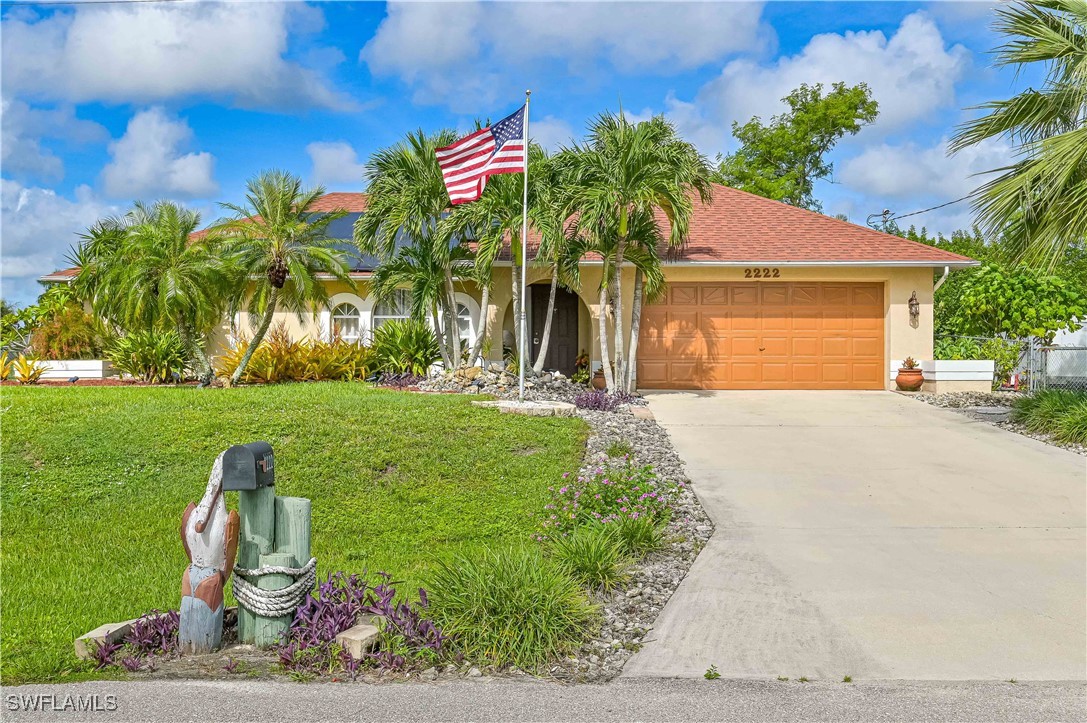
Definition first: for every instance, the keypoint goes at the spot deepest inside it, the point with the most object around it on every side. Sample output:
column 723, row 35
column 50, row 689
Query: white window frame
column 363, row 305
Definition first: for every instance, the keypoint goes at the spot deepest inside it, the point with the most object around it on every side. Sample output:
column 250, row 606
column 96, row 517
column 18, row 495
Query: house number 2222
column 763, row 273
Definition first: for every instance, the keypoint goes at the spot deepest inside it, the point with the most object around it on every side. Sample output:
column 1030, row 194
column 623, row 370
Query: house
column 763, row 296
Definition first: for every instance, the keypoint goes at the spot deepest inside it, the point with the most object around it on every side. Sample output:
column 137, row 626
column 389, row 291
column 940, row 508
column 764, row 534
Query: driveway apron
column 872, row 535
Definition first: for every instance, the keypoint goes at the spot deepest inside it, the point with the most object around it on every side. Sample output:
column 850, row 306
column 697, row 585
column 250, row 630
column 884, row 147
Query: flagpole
column 523, row 355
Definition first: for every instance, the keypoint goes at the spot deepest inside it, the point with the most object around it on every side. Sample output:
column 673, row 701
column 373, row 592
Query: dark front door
column 562, row 344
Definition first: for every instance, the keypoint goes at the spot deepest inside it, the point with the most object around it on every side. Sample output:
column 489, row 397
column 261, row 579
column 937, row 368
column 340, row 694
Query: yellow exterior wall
column 901, row 337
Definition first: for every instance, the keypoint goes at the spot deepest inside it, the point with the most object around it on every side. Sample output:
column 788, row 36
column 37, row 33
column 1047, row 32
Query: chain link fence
column 1027, row 365
column 1058, row 367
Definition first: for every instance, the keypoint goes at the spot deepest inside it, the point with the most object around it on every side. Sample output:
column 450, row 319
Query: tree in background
column 278, row 248
column 783, row 159
column 1038, row 202
column 1019, row 303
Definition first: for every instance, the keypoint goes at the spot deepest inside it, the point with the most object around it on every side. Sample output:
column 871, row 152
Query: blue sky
column 103, row 104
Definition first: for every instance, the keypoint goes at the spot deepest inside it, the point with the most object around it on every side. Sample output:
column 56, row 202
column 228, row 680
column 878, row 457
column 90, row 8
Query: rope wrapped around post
column 274, row 603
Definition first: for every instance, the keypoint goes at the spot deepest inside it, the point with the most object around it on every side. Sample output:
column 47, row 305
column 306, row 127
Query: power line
column 932, row 209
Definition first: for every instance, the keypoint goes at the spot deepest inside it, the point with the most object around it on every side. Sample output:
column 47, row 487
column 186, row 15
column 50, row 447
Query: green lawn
column 94, row 482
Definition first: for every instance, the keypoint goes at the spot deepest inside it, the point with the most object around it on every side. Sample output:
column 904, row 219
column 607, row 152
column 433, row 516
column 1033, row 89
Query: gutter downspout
column 940, row 281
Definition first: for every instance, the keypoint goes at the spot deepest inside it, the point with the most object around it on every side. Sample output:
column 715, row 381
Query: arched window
column 347, row 322
column 398, row 306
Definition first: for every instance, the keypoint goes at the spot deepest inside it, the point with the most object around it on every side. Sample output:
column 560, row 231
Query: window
column 398, row 306
column 347, row 322
column 465, row 325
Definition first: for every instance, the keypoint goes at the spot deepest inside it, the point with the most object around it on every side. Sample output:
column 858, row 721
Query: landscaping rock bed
column 496, row 381
column 629, row 612
column 983, row 407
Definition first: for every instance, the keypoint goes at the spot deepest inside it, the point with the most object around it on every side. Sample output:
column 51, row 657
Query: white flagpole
column 523, row 355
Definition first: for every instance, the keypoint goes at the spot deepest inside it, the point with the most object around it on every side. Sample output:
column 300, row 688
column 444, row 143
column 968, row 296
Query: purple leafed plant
column 601, row 401
column 399, row 381
column 154, row 634
column 131, row 663
column 338, row 604
column 103, row 654
column 231, row 665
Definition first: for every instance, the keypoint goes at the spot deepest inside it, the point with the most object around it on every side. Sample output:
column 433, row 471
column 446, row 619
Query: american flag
column 468, row 163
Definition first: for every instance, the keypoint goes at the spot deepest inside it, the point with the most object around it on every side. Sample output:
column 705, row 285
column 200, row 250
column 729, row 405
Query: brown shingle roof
column 737, row 228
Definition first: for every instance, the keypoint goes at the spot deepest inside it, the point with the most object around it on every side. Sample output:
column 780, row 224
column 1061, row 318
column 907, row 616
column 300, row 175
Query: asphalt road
column 646, row 699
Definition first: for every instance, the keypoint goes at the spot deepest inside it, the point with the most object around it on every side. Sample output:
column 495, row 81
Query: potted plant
column 909, row 377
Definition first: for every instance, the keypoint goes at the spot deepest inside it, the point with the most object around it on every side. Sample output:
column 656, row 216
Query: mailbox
column 248, row 466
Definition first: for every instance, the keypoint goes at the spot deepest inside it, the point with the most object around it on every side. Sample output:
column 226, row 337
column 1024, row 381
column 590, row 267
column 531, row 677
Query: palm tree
column 492, row 220
column 627, row 169
column 421, row 271
column 550, row 211
column 407, row 200
column 145, row 272
column 1038, row 203
column 280, row 247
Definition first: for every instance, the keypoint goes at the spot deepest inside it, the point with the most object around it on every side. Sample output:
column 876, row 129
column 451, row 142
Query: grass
column 95, row 481
column 594, row 555
column 1059, row 413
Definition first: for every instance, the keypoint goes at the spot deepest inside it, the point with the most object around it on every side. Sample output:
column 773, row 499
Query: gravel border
column 967, row 403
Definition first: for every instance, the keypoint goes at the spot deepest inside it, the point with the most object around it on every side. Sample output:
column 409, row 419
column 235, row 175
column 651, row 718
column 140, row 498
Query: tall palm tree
column 407, row 200
column 552, row 204
column 144, row 271
column 1039, row 202
column 492, row 220
column 626, row 169
column 279, row 247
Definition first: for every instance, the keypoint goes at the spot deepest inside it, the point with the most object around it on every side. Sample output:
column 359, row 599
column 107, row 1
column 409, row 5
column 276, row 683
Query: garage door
column 764, row 336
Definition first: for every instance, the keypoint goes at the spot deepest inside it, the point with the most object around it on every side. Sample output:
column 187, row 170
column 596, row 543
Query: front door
column 562, row 344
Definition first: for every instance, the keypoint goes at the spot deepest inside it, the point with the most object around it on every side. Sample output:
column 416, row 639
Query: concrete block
column 641, row 412
column 86, row 643
column 489, row 404
column 358, row 640
column 538, row 409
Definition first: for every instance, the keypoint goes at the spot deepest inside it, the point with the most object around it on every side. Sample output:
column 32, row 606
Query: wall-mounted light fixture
column 915, row 309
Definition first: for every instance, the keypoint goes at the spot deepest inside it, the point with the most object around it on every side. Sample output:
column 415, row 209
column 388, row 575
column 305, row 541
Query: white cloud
column 911, row 74
column 148, row 160
column 22, row 129
column 469, row 56
column 335, row 163
column 910, row 171
column 145, row 53
column 39, row 229
column 550, row 132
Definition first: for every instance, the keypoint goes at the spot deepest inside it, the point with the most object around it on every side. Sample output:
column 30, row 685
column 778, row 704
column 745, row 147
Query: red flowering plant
column 609, row 493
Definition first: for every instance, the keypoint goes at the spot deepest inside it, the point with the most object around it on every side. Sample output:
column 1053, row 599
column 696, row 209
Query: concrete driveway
column 871, row 535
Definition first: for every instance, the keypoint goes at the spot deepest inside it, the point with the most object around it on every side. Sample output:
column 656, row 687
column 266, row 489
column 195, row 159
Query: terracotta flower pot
column 909, row 380
column 598, row 380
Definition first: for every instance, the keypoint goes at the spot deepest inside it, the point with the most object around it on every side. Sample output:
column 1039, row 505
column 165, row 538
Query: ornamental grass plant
column 1058, row 412
column 594, row 554
column 510, row 606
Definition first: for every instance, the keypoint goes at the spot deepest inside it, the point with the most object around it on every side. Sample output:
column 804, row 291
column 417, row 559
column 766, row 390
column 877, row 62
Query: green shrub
column 404, row 346
column 1004, row 353
column 640, row 535
column 613, row 491
column 953, row 348
column 1042, row 412
column 594, row 555
column 511, row 606
column 153, row 356
column 1071, row 428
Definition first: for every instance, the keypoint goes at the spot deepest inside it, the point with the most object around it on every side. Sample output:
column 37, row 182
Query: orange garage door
column 764, row 336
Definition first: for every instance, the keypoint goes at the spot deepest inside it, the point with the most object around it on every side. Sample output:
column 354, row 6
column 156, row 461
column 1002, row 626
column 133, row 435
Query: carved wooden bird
column 210, row 537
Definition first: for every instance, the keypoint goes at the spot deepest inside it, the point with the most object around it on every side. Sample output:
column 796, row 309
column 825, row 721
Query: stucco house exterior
column 763, row 296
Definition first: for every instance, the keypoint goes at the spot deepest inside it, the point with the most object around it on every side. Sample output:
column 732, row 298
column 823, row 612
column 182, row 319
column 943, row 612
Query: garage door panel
column 766, row 335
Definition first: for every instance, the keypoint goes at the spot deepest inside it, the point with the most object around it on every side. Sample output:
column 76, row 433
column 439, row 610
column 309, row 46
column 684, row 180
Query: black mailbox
column 248, row 466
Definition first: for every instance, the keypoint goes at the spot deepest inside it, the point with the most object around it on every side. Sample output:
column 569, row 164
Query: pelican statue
column 210, row 537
